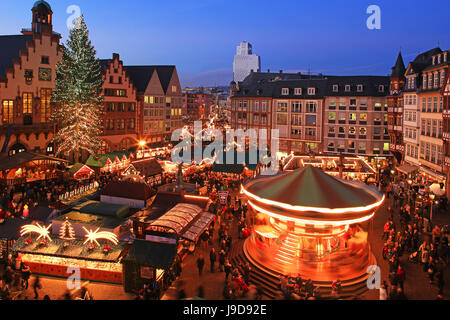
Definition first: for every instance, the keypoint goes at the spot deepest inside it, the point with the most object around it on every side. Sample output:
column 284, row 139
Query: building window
column 282, row 107
column 28, row 76
column 174, row 89
column 256, row 106
column 298, row 91
column 332, row 116
column 281, row 119
column 8, row 111
column 381, row 88
column 347, row 88
column 285, row 91
column 311, row 91
column 45, row 104
column 45, row 60
column 335, row 88
column 360, row 88
column 311, row 107
column 296, row 107
column 27, row 103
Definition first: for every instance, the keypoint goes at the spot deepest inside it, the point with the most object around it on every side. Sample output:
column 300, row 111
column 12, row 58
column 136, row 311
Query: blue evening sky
column 200, row 36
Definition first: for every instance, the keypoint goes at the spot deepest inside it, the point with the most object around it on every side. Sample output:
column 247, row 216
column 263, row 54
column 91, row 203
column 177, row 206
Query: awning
column 407, row 168
column 152, row 254
column 22, row 158
column 200, row 224
column 433, row 174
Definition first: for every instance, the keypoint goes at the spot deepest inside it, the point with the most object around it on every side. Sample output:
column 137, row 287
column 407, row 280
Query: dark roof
column 423, row 60
column 10, row 229
column 258, row 86
column 398, row 71
column 22, row 158
column 104, row 63
column 152, row 254
column 128, row 190
column 148, row 167
column 10, row 47
column 141, row 75
column 40, row 3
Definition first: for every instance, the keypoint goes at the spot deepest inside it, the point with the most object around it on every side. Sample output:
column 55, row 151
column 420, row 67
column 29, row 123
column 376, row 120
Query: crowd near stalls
column 411, row 234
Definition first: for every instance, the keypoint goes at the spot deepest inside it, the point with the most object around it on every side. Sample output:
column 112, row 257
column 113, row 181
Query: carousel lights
column 320, row 210
column 93, row 236
column 317, row 222
column 42, row 231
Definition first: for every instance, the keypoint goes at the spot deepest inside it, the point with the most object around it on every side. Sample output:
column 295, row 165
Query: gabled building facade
column 160, row 101
column 120, row 113
column 27, row 78
column 395, row 110
column 431, row 121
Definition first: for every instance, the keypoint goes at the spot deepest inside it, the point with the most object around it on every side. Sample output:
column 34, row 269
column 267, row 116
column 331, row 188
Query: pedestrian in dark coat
column 212, row 259
column 200, row 264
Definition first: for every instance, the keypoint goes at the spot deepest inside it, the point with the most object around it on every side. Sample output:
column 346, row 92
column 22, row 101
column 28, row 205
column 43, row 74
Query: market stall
column 26, row 167
column 81, row 172
column 97, row 253
column 110, row 162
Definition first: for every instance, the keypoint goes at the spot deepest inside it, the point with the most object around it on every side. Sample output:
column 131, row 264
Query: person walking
column 212, row 259
column 401, row 276
column 222, row 257
column 227, row 268
column 36, row 286
column 26, row 273
column 200, row 264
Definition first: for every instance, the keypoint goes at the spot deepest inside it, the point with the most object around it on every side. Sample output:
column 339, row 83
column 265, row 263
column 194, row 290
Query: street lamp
column 409, row 190
column 432, row 196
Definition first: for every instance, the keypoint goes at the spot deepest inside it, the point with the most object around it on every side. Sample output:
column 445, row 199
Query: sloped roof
column 141, row 75
column 99, row 161
column 310, row 193
column 398, row 71
column 10, row 47
column 152, row 254
column 148, row 167
column 266, row 85
column 129, row 190
column 22, row 158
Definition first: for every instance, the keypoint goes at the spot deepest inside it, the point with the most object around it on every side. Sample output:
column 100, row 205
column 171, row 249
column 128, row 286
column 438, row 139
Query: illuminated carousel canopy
column 311, row 194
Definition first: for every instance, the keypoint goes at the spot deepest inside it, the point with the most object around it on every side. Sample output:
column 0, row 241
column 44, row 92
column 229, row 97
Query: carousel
column 313, row 224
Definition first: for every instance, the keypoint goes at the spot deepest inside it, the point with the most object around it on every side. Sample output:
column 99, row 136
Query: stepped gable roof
column 10, row 47
column 311, row 193
column 141, row 75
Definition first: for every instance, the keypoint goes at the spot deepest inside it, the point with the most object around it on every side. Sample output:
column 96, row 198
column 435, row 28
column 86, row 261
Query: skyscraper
column 245, row 61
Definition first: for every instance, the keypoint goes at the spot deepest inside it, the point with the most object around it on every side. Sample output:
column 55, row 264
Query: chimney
column 115, row 55
column 281, row 71
column 251, row 71
column 268, row 70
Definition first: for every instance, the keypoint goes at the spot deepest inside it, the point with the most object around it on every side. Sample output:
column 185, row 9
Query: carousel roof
column 310, row 192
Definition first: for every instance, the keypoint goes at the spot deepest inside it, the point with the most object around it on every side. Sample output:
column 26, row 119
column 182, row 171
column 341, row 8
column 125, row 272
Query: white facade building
column 411, row 127
column 245, row 61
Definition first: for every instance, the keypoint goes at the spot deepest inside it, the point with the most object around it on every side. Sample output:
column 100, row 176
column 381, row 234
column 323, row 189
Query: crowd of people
column 414, row 237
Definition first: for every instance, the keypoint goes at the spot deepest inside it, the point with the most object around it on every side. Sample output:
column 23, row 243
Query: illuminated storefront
column 313, row 224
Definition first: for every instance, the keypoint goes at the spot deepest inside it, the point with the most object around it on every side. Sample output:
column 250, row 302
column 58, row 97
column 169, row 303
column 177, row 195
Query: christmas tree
column 77, row 96
column 66, row 231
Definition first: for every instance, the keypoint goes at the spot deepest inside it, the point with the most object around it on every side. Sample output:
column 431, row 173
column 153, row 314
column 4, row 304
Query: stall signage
column 223, row 196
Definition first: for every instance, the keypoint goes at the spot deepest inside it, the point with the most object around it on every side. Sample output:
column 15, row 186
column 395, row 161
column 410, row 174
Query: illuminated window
column 45, row 104
column 174, row 88
column 27, row 103
column 8, row 111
